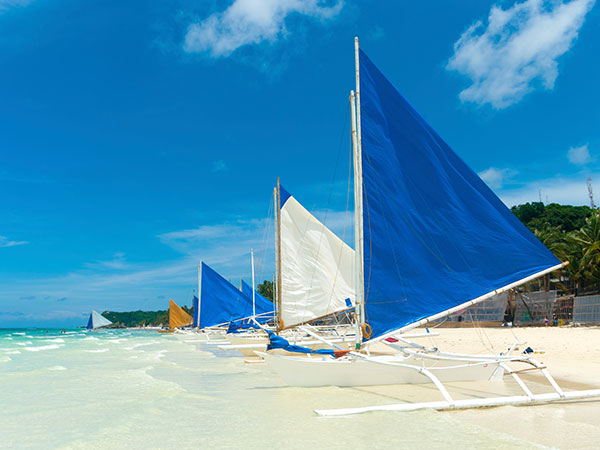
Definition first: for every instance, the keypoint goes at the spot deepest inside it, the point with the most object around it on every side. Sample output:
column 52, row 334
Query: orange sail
column 177, row 316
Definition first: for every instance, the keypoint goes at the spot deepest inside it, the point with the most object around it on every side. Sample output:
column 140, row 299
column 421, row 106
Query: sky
column 138, row 138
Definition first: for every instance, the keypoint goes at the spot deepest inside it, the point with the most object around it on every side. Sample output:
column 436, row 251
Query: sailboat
column 430, row 239
column 97, row 320
column 178, row 318
column 314, row 281
column 221, row 303
column 315, row 268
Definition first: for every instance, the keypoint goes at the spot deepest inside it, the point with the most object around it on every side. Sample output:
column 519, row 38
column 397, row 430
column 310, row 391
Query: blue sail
column 195, row 317
column 435, row 235
column 220, row 301
column 264, row 307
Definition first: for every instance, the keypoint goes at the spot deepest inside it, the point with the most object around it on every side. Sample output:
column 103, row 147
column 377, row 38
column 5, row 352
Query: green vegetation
column 572, row 233
column 537, row 215
column 141, row 318
column 266, row 289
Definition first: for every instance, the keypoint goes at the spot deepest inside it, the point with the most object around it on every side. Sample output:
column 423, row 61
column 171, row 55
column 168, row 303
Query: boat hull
column 313, row 372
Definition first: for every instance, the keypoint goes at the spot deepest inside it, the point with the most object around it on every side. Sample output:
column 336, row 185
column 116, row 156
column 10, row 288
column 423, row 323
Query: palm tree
column 553, row 237
column 587, row 239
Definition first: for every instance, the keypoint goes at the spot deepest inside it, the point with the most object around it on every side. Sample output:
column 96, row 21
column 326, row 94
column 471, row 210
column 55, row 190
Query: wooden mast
column 358, row 203
column 279, row 322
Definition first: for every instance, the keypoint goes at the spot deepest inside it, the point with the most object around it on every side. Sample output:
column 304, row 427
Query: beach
column 139, row 389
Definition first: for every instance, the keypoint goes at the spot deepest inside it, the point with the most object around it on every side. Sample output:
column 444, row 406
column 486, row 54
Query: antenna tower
column 591, row 193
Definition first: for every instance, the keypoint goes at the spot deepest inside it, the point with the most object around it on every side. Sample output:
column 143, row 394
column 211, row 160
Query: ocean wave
column 102, row 350
column 43, row 347
column 23, row 344
column 5, row 359
column 57, row 368
column 90, row 338
column 14, row 352
column 54, row 340
column 18, row 334
column 142, row 345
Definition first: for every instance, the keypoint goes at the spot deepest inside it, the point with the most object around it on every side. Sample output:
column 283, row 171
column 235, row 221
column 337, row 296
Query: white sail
column 96, row 320
column 317, row 267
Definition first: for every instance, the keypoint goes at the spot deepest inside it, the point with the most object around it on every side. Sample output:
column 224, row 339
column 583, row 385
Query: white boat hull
column 378, row 370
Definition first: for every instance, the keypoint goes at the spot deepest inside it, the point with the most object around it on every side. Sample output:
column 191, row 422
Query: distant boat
column 96, row 320
column 221, row 303
column 177, row 317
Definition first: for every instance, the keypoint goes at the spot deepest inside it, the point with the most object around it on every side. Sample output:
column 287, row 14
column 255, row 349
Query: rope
column 304, row 233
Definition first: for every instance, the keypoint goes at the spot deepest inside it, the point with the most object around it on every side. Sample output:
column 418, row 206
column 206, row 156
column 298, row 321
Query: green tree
column 587, row 242
column 266, row 289
column 536, row 215
column 553, row 237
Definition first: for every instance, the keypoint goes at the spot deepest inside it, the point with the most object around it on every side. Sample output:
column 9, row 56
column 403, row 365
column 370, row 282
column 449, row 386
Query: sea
column 130, row 389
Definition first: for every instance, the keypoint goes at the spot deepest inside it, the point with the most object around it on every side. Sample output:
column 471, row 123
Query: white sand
column 572, row 355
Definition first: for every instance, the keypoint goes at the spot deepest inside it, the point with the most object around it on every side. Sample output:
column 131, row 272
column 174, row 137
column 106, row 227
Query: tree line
column 572, row 233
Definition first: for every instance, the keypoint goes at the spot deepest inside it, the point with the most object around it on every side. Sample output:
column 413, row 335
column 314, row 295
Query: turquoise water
column 138, row 389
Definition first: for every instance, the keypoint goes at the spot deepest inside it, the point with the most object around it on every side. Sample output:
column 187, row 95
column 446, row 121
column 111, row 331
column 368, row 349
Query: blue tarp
column 220, row 301
column 279, row 342
column 435, row 235
column 241, row 325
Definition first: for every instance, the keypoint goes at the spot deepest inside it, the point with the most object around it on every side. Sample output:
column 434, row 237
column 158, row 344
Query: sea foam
column 43, row 347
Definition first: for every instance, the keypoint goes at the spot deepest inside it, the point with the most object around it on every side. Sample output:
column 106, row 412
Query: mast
column 358, row 202
column 276, row 274
column 253, row 285
column 199, row 291
column 279, row 322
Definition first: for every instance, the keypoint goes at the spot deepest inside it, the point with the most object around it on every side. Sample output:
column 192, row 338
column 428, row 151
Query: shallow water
column 138, row 389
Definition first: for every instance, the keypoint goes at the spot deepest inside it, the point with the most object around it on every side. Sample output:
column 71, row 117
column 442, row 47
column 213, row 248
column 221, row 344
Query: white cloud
column 121, row 284
column 495, row 178
column 219, row 166
column 579, row 155
column 6, row 4
column 247, row 22
column 519, row 46
column 5, row 242
column 117, row 262
column 563, row 190
column 376, row 34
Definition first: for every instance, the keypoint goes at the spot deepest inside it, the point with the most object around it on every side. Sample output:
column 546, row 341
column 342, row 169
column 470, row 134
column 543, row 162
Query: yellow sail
column 177, row 316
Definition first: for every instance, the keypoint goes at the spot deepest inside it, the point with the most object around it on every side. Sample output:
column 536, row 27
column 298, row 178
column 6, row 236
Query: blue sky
column 137, row 138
